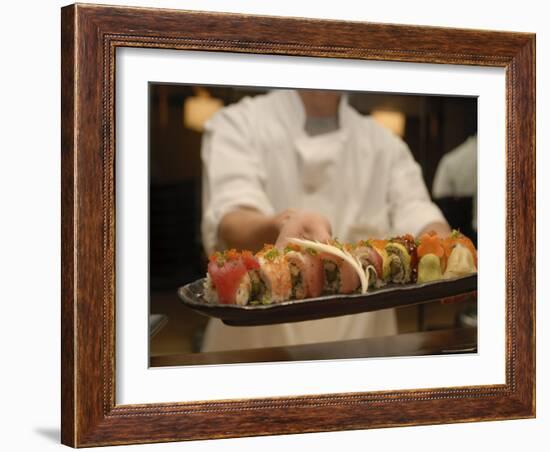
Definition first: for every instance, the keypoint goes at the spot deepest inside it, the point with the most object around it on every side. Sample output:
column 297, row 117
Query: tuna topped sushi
column 340, row 276
column 306, row 272
column 228, row 280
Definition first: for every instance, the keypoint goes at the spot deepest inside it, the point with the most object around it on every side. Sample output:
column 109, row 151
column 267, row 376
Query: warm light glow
column 199, row 109
column 393, row 120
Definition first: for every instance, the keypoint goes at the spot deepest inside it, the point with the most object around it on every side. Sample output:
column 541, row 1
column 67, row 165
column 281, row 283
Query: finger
column 282, row 242
column 286, row 233
column 319, row 232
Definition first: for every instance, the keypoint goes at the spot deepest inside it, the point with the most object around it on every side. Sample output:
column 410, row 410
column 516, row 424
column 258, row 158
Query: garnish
column 332, row 249
column 367, row 243
column 430, row 244
column 249, row 260
column 336, row 243
column 367, row 272
column 272, row 254
column 232, row 254
column 378, row 243
column 217, row 258
column 349, row 246
column 220, row 258
column 291, row 247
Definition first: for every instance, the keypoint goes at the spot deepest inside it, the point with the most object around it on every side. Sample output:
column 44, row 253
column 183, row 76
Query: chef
column 456, row 174
column 306, row 164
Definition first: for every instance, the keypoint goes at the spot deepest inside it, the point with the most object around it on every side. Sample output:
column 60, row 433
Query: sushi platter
column 310, row 280
column 390, row 296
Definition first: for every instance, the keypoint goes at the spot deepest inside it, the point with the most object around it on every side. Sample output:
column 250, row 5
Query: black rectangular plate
column 390, row 296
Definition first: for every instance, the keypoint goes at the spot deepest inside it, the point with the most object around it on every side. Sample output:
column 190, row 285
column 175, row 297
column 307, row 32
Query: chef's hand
column 248, row 229
column 442, row 229
column 302, row 224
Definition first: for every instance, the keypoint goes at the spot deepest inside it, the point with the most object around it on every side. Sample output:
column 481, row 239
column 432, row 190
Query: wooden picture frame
column 90, row 36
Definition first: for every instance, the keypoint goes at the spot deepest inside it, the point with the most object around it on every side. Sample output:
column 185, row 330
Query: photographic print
column 281, row 225
column 279, row 217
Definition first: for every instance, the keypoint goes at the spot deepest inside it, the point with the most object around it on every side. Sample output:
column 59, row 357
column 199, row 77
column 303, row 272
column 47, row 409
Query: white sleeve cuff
column 416, row 216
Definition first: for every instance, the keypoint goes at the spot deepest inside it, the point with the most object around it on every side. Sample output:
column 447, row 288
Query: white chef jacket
column 362, row 178
column 456, row 174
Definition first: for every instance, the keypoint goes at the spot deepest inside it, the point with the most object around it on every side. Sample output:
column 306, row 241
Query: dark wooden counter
column 462, row 340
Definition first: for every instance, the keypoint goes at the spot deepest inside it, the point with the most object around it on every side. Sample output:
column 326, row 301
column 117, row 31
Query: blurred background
column 432, row 126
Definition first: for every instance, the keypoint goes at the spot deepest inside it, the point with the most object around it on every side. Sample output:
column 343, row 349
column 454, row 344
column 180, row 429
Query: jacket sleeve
column 443, row 184
column 411, row 208
column 233, row 175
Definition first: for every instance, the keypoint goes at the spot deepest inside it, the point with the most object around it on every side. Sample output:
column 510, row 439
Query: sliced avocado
column 397, row 249
column 429, row 268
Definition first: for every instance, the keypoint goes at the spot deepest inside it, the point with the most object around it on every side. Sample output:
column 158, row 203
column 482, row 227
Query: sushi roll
column 272, row 282
column 461, row 256
column 309, row 269
column 342, row 272
column 306, row 272
column 402, row 259
column 228, row 280
column 339, row 276
column 379, row 246
column 431, row 258
column 371, row 261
